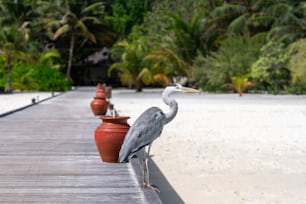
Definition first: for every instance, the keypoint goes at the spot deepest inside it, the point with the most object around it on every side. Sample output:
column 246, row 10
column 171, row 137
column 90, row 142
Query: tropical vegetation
column 254, row 45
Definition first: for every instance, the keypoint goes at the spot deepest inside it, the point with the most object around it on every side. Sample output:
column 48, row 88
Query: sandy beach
column 223, row 149
column 13, row 101
column 220, row 148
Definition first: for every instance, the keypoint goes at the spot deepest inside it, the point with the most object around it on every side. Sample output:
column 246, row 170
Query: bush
column 50, row 79
column 38, row 77
column 234, row 58
column 270, row 70
column 297, row 64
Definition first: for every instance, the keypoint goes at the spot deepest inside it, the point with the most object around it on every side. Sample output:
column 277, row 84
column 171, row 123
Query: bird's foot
column 148, row 185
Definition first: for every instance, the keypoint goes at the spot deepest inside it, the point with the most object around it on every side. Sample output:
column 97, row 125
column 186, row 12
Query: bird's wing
column 144, row 131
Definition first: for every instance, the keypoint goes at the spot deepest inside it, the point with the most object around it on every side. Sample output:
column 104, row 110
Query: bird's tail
column 123, row 158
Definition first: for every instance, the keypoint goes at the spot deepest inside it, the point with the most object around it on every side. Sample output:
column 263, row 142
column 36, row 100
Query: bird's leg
column 147, row 156
column 144, row 169
column 146, row 176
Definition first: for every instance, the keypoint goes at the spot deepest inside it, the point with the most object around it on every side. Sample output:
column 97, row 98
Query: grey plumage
column 150, row 124
column 143, row 132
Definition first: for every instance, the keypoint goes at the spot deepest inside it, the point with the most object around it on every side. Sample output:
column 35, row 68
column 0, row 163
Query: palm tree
column 281, row 20
column 134, row 69
column 131, row 67
column 15, row 22
column 185, row 40
column 188, row 35
column 74, row 26
column 12, row 39
column 168, row 58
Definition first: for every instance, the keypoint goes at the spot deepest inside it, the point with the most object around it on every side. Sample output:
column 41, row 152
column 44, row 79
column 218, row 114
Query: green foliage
column 49, row 79
column 166, row 38
column 2, row 71
column 128, row 13
column 270, row 70
column 234, row 58
column 13, row 40
column 187, row 35
column 38, row 77
column 169, row 59
column 41, row 73
column 289, row 21
column 74, row 24
column 177, row 39
column 133, row 66
column 23, row 77
column 297, row 64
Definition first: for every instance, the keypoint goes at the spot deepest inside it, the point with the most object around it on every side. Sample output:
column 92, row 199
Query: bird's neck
column 173, row 108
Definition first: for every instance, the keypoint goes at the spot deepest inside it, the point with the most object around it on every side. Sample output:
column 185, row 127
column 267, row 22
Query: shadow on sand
column 167, row 193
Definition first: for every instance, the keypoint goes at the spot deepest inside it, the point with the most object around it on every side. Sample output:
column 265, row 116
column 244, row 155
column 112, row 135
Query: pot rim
column 116, row 117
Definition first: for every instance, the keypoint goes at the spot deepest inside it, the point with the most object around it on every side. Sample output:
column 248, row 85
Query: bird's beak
column 189, row 90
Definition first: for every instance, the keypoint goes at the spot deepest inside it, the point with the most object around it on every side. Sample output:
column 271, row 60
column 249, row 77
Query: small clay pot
column 99, row 106
column 100, row 91
column 109, row 137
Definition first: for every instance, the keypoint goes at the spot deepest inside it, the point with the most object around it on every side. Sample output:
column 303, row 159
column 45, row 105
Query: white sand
column 224, row 149
column 13, row 101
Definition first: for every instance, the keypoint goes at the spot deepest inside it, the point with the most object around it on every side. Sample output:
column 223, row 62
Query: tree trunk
column 72, row 41
column 9, row 72
column 138, row 85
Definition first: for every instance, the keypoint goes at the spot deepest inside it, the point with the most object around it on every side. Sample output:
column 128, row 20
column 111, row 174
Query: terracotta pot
column 99, row 106
column 100, row 91
column 109, row 137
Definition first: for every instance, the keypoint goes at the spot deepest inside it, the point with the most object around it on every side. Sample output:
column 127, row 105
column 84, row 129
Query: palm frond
column 262, row 21
column 161, row 78
column 95, row 20
column 238, row 24
column 119, row 66
column 80, row 24
column 49, row 54
column 95, row 7
column 60, row 31
column 228, row 10
column 145, row 76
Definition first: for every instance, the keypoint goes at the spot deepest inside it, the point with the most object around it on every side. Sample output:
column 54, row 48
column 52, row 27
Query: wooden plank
column 75, row 197
column 62, row 164
column 48, row 155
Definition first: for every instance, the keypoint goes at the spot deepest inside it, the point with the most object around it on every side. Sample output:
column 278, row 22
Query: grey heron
column 147, row 127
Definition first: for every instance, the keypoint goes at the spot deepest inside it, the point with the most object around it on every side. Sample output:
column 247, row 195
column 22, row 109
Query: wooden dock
column 48, row 155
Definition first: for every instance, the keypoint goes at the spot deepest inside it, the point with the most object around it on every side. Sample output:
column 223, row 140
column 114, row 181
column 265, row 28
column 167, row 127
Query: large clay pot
column 109, row 137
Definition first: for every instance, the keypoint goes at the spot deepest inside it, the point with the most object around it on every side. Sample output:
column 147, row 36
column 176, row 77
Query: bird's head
column 179, row 88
